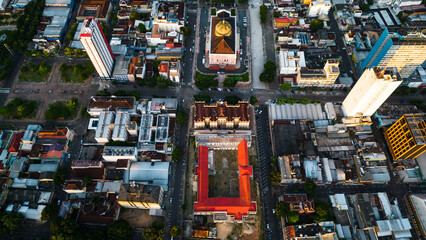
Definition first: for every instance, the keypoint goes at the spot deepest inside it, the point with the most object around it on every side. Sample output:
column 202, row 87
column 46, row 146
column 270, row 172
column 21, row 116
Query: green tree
column 175, row 231
column 120, row 93
column 316, row 25
column 186, row 31
column 253, row 100
column 84, row 114
column 163, row 82
column 181, row 117
column 229, row 82
column 282, row 209
column 96, row 235
column 202, row 97
column 49, row 211
column 104, row 93
column 9, row 222
column 65, row 229
column 269, row 72
column 136, row 94
column 232, row 99
column 364, row 7
column 59, row 176
column 292, row 218
column 119, row 230
column 310, row 188
column 322, row 211
column 275, row 177
column 263, row 11
column 63, row 68
column 142, row 28
column 285, row 86
column 154, row 232
column 205, row 81
column 177, row 154
column 44, row 68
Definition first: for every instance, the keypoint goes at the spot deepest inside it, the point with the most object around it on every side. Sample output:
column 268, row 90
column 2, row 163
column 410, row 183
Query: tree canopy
column 177, row 154
column 175, row 231
column 205, row 81
column 154, row 232
column 49, row 211
column 285, row 86
column 181, row 117
column 316, row 25
column 232, row 99
column 202, row 97
column 229, row 82
column 269, row 72
column 292, row 218
column 59, row 176
column 142, row 28
column 253, row 100
column 275, row 177
column 310, row 187
column 66, row 229
column 263, row 11
column 282, row 209
column 9, row 222
column 119, row 230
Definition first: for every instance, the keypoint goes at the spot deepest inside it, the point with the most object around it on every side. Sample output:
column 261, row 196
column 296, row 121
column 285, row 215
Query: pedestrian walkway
column 256, row 37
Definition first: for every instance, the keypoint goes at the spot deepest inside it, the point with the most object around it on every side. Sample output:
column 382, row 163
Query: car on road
column 171, row 200
column 204, row 59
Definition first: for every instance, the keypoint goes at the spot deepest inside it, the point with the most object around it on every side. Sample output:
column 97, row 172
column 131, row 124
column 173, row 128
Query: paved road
column 272, row 228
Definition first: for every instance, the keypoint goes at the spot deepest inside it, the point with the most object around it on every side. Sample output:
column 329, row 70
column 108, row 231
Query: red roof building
column 237, row 207
column 16, row 142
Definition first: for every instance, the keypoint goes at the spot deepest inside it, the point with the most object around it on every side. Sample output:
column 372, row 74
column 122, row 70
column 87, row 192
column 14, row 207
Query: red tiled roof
column 221, row 110
column 16, row 142
column 233, row 206
column 285, row 20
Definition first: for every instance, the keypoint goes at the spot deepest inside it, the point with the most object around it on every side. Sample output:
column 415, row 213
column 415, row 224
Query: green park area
column 33, row 72
column 62, row 110
column 19, row 108
column 78, row 73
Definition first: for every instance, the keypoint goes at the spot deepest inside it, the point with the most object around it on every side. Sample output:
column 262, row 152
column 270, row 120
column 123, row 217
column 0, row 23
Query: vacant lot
column 224, row 180
column 138, row 218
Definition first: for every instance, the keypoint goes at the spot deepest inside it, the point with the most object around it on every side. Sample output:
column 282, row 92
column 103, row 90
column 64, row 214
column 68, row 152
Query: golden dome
column 223, row 28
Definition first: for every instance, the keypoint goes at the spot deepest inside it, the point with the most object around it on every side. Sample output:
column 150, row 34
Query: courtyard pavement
column 256, row 37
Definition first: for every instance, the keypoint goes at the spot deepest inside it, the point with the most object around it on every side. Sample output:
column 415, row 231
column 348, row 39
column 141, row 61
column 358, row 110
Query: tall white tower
column 97, row 48
column 372, row 89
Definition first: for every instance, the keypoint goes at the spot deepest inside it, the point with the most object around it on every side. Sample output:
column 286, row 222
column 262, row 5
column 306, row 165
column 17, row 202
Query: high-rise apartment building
column 97, row 48
column 372, row 89
column 406, row 138
column 405, row 51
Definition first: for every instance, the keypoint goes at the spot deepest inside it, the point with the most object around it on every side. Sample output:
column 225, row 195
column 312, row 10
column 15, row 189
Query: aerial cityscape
column 219, row 119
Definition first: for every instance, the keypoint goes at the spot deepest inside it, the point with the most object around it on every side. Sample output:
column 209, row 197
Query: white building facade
column 97, row 48
column 319, row 8
column 372, row 89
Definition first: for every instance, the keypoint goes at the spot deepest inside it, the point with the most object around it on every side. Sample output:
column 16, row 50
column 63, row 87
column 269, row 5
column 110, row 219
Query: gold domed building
column 223, row 45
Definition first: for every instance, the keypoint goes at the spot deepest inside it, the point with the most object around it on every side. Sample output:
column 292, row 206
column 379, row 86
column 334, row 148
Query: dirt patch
column 138, row 218
column 224, row 229
column 223, row 178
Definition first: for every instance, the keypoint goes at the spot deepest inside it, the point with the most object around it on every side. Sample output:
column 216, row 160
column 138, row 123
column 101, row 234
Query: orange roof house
column 237, row 207
column 284, row 22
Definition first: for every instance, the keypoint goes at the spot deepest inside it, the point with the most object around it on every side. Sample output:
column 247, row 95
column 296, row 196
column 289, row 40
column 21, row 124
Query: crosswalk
column 5, row 90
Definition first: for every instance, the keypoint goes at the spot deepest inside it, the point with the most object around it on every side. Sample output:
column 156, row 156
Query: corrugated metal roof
column 296, row 112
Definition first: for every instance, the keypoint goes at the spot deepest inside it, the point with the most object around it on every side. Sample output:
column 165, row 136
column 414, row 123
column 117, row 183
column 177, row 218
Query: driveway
column 256, row 38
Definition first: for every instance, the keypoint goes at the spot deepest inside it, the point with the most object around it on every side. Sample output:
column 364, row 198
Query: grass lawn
column 78, row 73
column 34, row 72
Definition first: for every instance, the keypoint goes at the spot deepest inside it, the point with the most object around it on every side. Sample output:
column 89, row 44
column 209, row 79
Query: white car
column 204, row 59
